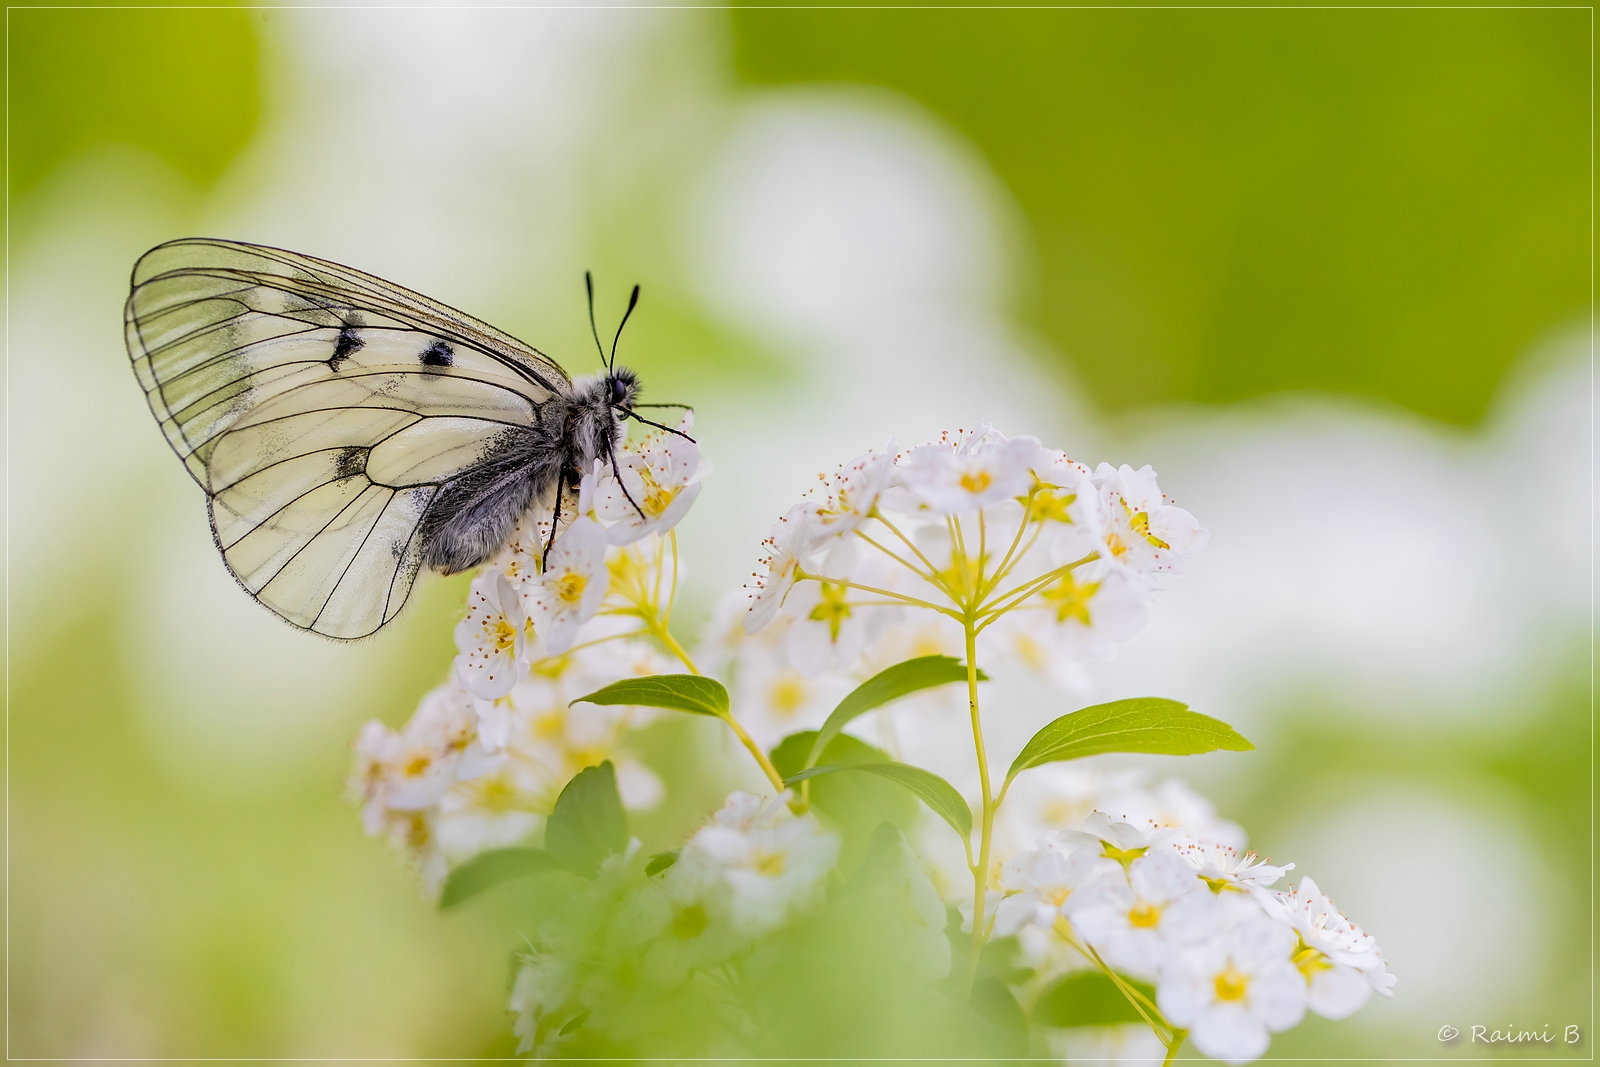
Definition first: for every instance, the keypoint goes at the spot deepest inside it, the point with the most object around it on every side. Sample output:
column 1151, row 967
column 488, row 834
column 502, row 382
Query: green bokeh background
column 1220, row 204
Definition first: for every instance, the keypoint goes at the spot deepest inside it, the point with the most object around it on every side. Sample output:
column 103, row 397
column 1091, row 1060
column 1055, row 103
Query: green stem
column 926, row 562
column 672, row 592
column 1165, row 1032
column 1013, row 558
column 1005, row 561
column 803, row 576
column 964, row 565
column 1172, row 1047
column 906, row 563
column 1017, row 594
column 980, row 873
column 661, row 634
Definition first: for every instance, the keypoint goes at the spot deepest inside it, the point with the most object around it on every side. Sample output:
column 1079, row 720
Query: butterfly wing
column 321, row 409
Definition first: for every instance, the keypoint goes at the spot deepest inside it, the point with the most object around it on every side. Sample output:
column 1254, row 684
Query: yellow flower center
column 497, row 795
column 1310, row 961
column 831, row 609
column 504, row 635
column 1141, row 526
column 788, row 693
column 1124, row 856
column 416, row 831
column 976, row 481
column 569, row 587
column 1048, row 505
column 1061, row 812
column 656, row 499
column 1031, row 652
column 1070, row 598
column 1144, row 914
column 690, row 922
column 769, row 863
column 1231, row 985
column 417, row 765
column 550, row 724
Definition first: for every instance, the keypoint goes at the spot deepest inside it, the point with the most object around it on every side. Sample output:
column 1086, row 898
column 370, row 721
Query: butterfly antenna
column 633, row 302
column 630, row 414
column 588, row 284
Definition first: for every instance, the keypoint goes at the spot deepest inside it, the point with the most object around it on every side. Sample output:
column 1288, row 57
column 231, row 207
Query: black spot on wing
column 347, row 343
column 351, row 461
column 438, row 354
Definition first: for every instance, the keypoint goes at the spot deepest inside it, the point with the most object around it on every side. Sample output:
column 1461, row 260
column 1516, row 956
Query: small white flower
column 496, row 809
column 543, row 984
column 1234, row 990
column 410, row 769
column 1064, row 493
column 784, row 543
column 401, row 776
column 1222, row 866
column 569, row 591
column 658, row 484
column 1121, row 841
column 678, row 925
column 773, row 862
column 1333, row 939
column 772, row 699
column 853, row 492
column 1141, row 531
column 739, row 877
column 1107, row 1046
column 492, row 639
column 1055, row 797
column 980, row 469
column 1137, row 922
column 1039, row 882
column 1071, row 620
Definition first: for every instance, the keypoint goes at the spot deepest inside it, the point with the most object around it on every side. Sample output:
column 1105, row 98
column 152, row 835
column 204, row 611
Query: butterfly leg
column 561, row 487
column 616, row 473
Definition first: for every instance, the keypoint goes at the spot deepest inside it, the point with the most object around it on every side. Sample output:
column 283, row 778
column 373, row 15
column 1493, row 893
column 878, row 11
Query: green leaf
column 693, row 693
column 892, row 683
column 588, row 823
column 1088, row 998
column 488, row 869
column 852, row 801
column 932, row 790
column 660, row 862
column 1141, row 724
column 994, row 1002
column 855, row 803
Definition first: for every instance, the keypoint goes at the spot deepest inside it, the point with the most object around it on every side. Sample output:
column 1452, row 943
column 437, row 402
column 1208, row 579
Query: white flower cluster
column 481, row 762
column 745, row 874
column 1187, row 908
column 739, row 877
column 1062, row 560
column 442, row 793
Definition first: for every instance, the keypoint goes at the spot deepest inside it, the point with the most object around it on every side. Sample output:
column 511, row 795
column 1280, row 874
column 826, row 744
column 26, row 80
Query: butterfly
column 349, row 432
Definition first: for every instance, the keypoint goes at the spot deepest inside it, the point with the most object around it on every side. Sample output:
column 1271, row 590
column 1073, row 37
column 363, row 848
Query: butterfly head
column 622, row 385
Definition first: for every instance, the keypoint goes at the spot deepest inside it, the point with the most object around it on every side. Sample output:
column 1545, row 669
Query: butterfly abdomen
column 473, row 515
